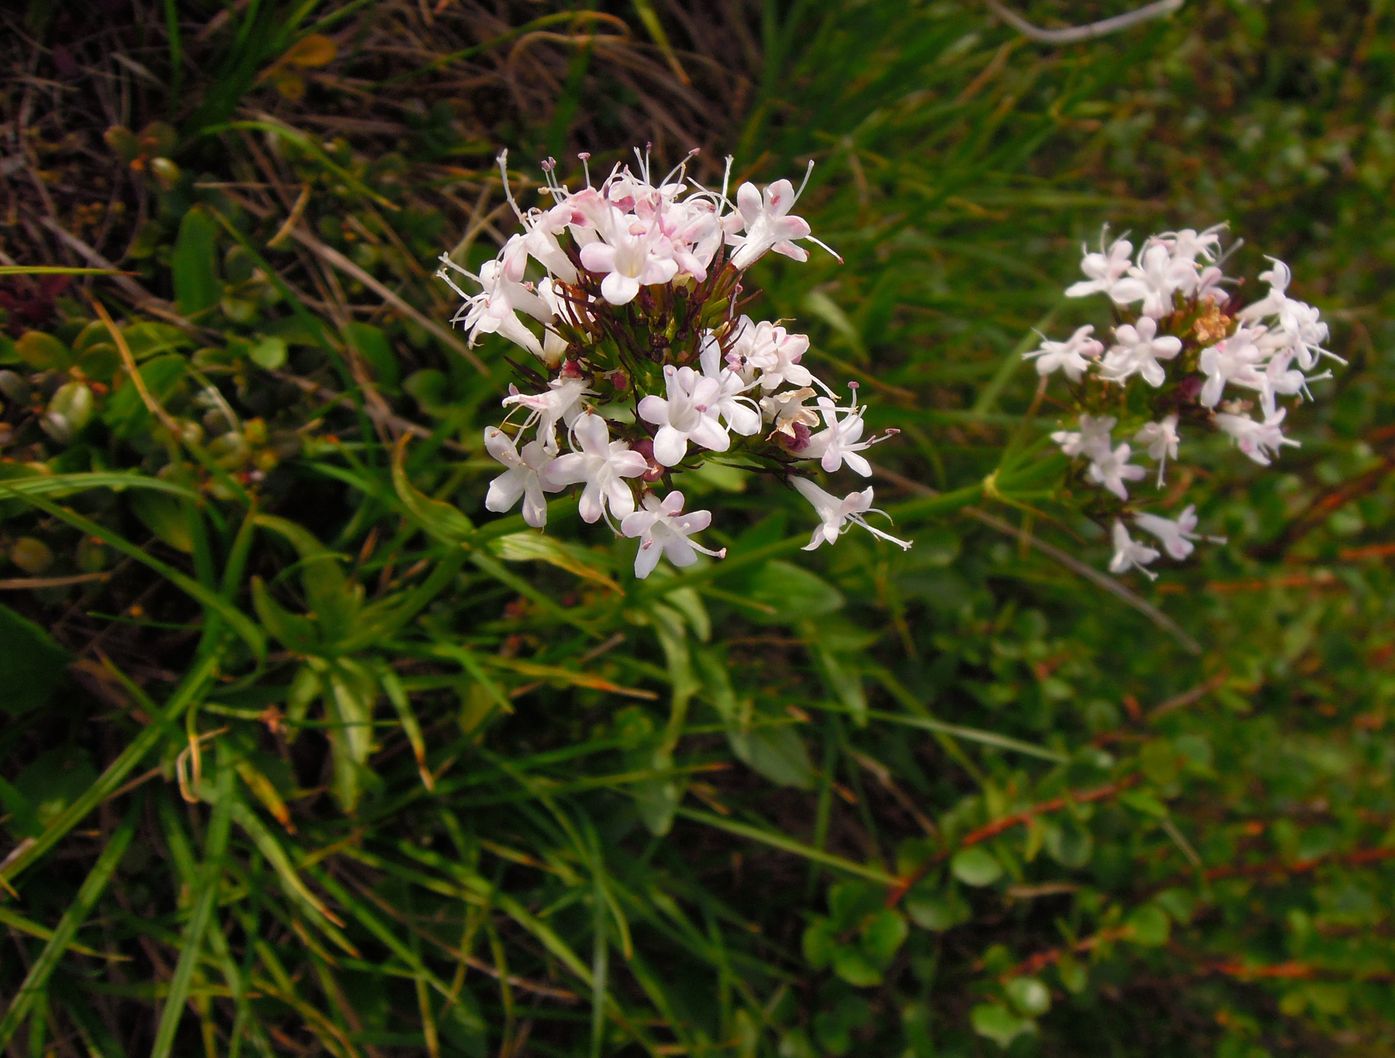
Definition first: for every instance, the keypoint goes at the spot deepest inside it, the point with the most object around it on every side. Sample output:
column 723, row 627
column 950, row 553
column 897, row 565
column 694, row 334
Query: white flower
column 662, row 527
column 1092, row 438
column 601, row 463
column 525, row 477
column 561, row 401
column 840, row 442
column 767, row 223
column 740, row 413
column 1137, row 350
column 1188, row 244
column 1162, row 440
column 689, row 414
column 1073, row 356
column 1154, row 280
column 786, row 409
column 1175, row 536
column 1235, row 359
column 1130, row 555
column 628, row 260
column 835, row 513
column 1112, row 468
column 1258, row 440
column 495, row 308
column 772, row 351
column 1103, row 269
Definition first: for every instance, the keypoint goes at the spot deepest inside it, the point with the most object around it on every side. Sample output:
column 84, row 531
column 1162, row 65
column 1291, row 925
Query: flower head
column 663, row 528
column 835, row 513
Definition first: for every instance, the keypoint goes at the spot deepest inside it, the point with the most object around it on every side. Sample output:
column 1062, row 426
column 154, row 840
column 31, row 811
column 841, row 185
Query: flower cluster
column 1203, row 360
column 627, row 295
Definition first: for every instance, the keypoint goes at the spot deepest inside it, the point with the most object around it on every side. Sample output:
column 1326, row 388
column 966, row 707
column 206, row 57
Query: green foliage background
column 304, row 754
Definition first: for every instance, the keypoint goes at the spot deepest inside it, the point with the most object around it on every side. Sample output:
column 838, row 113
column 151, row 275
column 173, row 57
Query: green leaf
column 437, row 519
column 855, row 967
column 49, row 784
column 43, row 352
column 976, row 866
column 850, row 902
column 778, row 753
column 999, row 1024
column 820, row 941
column 790, row 592
column 125, row 410
column 882, row 936
column 1143, row 802
column 839, row 678
column 147, row 339
column 31, row 663
column 166, row 517
column 532, row 546
column 33, row 988
column 372, row 344
column 292, row 631
column 269, row 353
column 1069, row 843
column 936, row 910
column 194, row 264
column 1149, row 926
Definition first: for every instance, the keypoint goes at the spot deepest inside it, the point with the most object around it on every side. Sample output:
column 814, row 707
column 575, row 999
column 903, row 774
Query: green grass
column 305, row 752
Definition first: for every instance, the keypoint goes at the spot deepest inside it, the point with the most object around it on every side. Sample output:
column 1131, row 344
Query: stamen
column 503, row 161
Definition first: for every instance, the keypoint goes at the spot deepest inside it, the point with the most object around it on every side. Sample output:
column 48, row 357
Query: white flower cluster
column 1207, row 360
column 627, row 295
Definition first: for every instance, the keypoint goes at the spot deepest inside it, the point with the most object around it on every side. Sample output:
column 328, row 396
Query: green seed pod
column 166, row 173
column 75, row 402
column 56, row 426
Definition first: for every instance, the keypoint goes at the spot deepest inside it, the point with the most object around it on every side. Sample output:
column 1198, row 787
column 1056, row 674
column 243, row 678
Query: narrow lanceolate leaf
column 31, row 990
column 210, row 874
column 194, row 266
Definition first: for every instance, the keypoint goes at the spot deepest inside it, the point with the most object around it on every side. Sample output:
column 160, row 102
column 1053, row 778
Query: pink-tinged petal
column 598, row 257
column 620, row 498
column 672, row 503
column 618, row 289
column 591, row 433
column 857, row 464
column 629, row 464
column 534, row 507
column 1127, row 290
column 638, row 523
column 646, row 558
column 654, row 410
column 743, row 420
column 659, row 270
column 500, row 446
column 748, row 202
column 696, row 522
column 789, row 249
column 569, row 469
column 504, row 492
column 679, row 551
column 779, row 196
column 670, row 446
column 792, row 228
column 590, row 508
column 831, row 460
column 710, row 435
